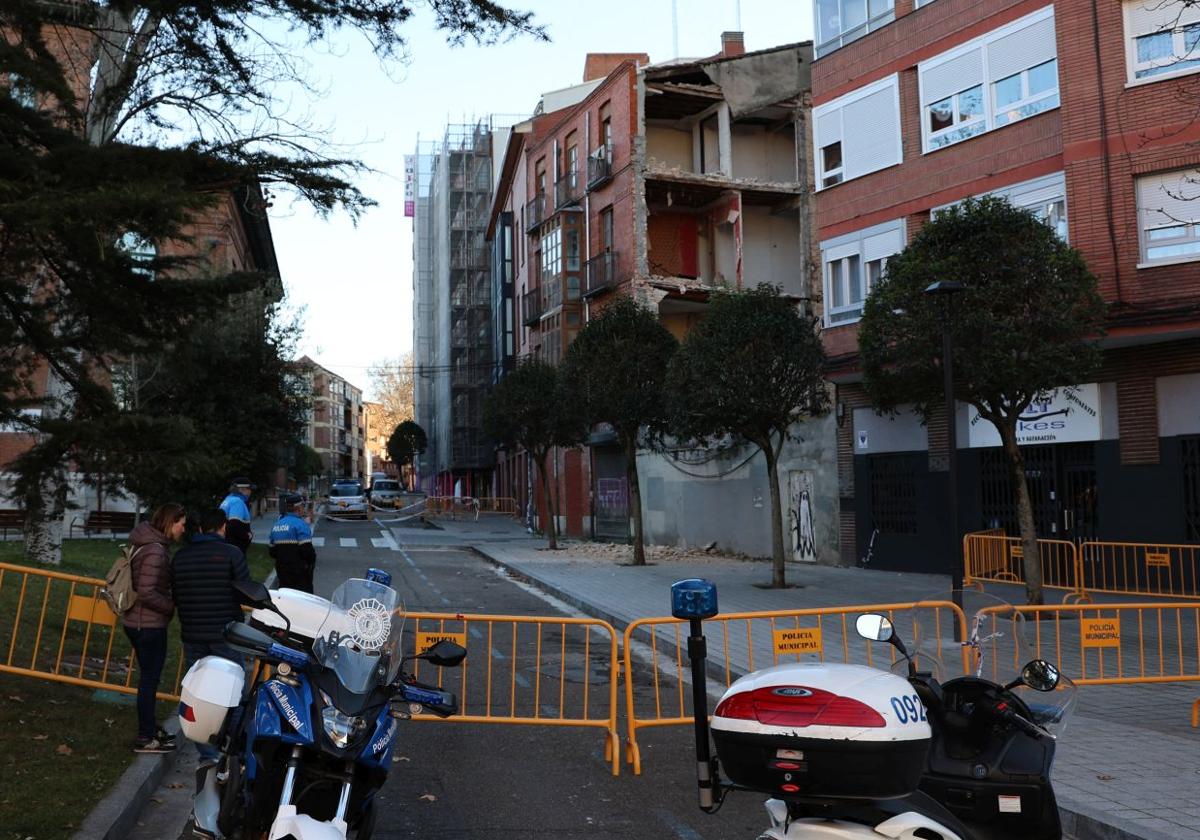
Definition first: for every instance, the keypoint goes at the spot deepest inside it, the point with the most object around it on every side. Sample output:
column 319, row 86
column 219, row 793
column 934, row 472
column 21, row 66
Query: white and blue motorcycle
column 312, row 741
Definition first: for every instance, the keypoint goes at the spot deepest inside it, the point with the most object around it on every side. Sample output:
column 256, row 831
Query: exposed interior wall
column 771, row 249
column 765, row 155
column 673, row 241
column 679, row 324
column 671, row 147
column 724, row 251
column 711, row 148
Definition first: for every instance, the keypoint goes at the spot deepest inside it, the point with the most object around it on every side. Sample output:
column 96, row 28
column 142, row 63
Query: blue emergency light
column 693, row 598
column 379, row 576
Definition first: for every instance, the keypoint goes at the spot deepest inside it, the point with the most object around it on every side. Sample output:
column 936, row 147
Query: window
column 841, row 21
column 853, row 265
column 552, row 253
column 1169, row 210
column 140, row 251
column 1001, row 78
column 1162, row 39
column 573, row 249
column 606, row 138
column 606, row 229
column 22, row 91
column 1045, row 197
column 858, row 133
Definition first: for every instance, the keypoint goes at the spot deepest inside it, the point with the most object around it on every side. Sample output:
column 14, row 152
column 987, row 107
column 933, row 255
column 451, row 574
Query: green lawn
column 51, row 782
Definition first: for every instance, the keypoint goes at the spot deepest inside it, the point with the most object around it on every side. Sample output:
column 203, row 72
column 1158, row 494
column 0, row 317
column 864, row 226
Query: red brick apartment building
column 664, row 181
column 1084, row 112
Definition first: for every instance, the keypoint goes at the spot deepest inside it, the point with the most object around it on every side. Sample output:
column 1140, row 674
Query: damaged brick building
column 666, row 182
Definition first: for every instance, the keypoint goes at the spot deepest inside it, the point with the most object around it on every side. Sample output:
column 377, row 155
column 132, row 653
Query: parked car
column 385, row 492
column 346, row 498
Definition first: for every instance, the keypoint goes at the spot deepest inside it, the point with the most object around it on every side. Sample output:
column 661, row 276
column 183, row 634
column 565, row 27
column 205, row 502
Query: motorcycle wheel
column 229, row 818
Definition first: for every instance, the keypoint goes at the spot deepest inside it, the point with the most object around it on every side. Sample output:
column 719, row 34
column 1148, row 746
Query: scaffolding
column 453, row 297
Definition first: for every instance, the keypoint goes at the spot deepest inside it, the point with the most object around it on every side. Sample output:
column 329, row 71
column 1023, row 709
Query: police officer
column 237, row 515
column 291, row 546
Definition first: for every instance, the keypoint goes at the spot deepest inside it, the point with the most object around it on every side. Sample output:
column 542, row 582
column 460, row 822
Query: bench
column 105, row 520
column 11, row 520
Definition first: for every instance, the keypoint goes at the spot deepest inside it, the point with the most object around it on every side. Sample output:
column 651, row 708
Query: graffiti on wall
column 800, row 514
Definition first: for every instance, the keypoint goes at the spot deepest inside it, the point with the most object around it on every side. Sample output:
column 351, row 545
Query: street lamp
column 946, row 290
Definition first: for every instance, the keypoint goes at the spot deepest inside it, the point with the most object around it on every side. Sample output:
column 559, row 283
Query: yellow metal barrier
column 61, row 630
column 456, row 506
column 992, row 556
column 526, row 670
column 1159, row 569
column 739, row 643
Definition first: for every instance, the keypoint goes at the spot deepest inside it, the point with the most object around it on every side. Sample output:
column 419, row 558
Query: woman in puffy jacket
column 146, row 622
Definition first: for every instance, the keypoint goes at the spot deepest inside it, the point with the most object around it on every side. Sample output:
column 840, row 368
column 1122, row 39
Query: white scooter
column 848, row 751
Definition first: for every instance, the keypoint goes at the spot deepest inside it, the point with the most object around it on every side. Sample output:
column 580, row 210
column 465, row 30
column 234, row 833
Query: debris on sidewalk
column 620, row 553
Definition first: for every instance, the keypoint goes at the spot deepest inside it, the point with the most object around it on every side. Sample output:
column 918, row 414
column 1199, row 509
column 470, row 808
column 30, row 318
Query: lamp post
column 946, row 290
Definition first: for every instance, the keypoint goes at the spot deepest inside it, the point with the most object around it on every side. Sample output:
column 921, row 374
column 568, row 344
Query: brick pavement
column 1128, row 764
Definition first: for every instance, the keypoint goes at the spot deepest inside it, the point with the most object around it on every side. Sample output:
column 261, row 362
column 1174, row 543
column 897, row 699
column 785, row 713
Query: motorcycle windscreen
column 360, row 639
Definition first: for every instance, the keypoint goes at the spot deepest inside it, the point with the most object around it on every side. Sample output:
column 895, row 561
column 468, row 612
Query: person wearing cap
column 292, row 548
column 237, row 513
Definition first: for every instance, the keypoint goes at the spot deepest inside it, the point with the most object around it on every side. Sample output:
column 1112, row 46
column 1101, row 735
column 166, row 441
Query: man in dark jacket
column 202, row 576
column 292, row 547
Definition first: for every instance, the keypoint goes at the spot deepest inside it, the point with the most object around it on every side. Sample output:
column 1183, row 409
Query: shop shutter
column 1029, row 46
column 1169, row 198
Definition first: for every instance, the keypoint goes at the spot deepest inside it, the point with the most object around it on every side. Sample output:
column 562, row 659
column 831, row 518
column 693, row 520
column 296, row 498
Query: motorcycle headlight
column 340, row 728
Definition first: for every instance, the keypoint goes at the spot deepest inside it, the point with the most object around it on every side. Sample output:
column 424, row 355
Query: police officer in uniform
column 237, row 515
column 291, row 546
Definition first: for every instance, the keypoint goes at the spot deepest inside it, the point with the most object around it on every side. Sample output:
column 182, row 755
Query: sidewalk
column 1127, row 766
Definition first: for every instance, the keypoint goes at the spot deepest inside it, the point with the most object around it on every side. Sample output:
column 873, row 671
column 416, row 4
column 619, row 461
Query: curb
column 115, row 816
column 1078, row 822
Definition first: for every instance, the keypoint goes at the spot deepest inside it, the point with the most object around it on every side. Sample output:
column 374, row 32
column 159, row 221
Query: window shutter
column 828, row 128
column 872, row 141
column 1029, row 46
column 1148, row 16
column 1170, row 198
column 882, row 245
column 949, row 77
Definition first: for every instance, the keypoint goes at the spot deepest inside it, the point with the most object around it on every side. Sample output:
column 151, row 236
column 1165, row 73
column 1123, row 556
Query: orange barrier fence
column 992, row 556
column 526, row 670
column 738, row 643
column 60, row 630
column 1160, row 569
column 470, row 505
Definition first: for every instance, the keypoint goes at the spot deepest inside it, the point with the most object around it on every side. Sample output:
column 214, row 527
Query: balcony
column 568, row 191
column 599, row 167
column 601, row 273
column 531, row 308
column 535, row 213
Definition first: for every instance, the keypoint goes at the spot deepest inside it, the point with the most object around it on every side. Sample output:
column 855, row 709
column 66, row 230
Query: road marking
column 445, row 600
column 348, row 542
column 475, row 631
column 385, row 540
column 520, row 680
column 318, row 542
column 378, row 542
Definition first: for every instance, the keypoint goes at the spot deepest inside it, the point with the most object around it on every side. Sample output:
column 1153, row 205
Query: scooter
column 312, row 742
column 848, row 751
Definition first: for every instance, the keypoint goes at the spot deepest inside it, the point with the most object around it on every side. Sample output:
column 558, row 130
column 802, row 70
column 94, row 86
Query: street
column 452, row 780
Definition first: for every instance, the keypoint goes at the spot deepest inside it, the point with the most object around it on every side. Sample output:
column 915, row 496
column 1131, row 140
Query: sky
column 354, row 283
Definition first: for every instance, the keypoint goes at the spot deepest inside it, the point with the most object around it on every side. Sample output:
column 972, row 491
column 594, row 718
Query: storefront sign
column 803, row 640
column 1064, row 415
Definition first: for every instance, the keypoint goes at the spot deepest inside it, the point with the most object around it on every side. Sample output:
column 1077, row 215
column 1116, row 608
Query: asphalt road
column 459, row 780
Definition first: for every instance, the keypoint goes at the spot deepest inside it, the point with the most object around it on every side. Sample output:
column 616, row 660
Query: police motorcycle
column 849, row 751
column 311, row 742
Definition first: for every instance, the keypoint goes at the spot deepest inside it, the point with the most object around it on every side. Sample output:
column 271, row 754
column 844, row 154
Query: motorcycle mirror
column 445, row 654
column 253, row 594
column 1040, row 675
column 874, row 627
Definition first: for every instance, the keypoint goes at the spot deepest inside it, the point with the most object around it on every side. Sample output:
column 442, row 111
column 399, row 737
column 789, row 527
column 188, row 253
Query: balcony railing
column 599, row 167
column 601, row 273
column 531, row 307
column 568, row 190
column 535, row 213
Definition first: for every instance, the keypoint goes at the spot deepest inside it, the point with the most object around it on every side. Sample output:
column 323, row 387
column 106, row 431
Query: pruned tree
column 406, row 442
column 1027, row 322
column 615, row 371
column 529, row 409
column 123, row 121
column 392, row 381
column 751, row 369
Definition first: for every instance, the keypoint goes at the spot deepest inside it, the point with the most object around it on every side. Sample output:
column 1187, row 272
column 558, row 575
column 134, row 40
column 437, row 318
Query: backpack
column 118, row 590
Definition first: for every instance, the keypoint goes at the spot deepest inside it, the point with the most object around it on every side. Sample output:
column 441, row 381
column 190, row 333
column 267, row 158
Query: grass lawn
column 61, row 749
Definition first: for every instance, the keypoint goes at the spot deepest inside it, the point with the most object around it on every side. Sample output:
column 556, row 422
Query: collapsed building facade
column 668, row 182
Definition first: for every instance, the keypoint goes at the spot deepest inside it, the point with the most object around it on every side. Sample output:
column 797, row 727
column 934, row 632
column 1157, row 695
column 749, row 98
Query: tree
column 123, row 120
column 407, row 441
column 752, row 368
column 615, row 371
column 1026, row 323
column 528, row 409
column 392, row 381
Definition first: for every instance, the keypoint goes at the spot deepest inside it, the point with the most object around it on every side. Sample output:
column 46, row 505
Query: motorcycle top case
column 822, row 730
column 210, row 689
